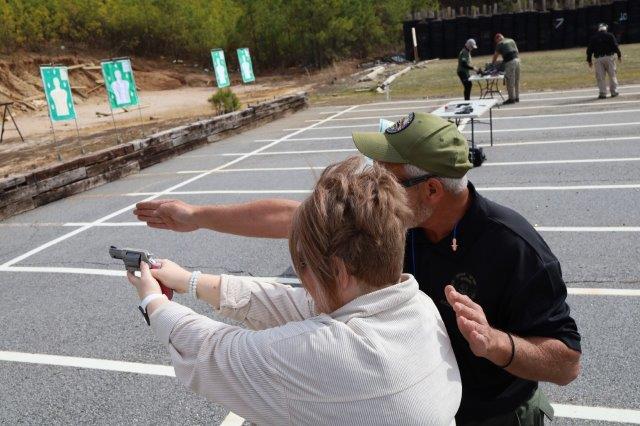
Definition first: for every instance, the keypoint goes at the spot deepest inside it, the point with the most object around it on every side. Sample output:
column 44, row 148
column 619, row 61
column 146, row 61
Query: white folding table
column 455, row 111
column 488, row 84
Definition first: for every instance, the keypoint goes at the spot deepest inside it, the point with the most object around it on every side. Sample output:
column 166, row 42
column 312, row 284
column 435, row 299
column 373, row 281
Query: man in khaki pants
column 508, row 49
column 604, row 46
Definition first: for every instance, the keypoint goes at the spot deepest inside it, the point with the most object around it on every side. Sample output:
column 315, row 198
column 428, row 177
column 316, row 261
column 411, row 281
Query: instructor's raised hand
column 174, row 215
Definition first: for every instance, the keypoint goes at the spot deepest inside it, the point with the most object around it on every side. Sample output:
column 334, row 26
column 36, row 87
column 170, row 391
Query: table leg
column 473, row 139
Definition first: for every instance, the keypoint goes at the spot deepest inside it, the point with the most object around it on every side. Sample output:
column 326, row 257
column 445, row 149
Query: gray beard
column 421, row 214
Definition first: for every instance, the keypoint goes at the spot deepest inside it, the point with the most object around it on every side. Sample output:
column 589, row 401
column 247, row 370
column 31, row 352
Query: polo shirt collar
column 378, row 301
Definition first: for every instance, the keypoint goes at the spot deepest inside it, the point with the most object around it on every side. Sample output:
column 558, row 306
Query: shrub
column 224, row 101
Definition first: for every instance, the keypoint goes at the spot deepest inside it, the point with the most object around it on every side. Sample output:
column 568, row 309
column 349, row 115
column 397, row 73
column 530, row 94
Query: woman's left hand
column 145, row 284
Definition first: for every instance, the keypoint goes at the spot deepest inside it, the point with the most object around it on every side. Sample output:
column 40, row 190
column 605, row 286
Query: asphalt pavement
column 74, row 348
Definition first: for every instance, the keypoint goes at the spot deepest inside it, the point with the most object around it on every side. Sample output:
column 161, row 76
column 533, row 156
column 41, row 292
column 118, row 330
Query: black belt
column 606, row 54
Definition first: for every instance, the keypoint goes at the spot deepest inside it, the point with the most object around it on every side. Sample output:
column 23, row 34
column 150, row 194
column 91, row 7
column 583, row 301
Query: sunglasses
column 416, row 180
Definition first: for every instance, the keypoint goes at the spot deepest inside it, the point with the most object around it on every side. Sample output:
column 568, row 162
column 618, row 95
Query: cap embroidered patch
column 400, row 125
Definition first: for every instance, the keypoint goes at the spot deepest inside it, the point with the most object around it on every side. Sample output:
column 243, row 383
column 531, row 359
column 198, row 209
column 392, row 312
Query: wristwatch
column 145, row 302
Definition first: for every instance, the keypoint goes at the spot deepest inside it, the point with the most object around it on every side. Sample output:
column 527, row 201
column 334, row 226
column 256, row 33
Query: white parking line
column 561, row 410
column 313, row 151
column 225, row 191
column 166, row 191
column 511, row 117
column 563, row 141
column 586, row 161
column 606, row 414
column 505, row 163
column 496, row 144
column 113, row 272
column 232, row 419
column 524, row 96
column 90, row 363
column 558, row 188
column 622, row 292
column 576, row 291
column 528, row 129
column 139, row 223
column 588, row 228
column 308, row 139
column 257, row 169
column 105, row 224
column 443, row 101
column 307, row 191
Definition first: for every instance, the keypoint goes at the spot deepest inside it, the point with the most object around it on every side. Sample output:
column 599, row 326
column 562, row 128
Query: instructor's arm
column 269, row 218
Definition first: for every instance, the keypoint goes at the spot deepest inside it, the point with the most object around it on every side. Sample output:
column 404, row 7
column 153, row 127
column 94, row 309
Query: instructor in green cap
column 497, row 285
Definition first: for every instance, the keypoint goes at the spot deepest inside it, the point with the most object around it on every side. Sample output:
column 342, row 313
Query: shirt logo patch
column 400, row 125
column 465, row 283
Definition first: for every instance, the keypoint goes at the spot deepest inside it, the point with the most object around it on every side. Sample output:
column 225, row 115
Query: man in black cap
column 496, row 283
column 603, row 45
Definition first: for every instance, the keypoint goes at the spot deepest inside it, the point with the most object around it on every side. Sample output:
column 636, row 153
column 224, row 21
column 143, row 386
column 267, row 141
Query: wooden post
column 415, row 45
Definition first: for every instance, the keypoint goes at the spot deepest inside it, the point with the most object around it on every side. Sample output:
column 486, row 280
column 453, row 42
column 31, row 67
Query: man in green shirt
column 508, row 49
column 464, row 66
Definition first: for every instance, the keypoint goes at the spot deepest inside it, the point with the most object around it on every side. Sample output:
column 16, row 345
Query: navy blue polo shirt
column 505, row 266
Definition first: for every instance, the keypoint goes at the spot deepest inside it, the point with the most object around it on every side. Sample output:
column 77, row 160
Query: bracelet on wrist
column 513, row 350
column 193, row 284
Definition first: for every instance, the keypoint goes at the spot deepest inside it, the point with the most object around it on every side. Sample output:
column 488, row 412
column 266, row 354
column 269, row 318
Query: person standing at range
column 464, row 66
column 603, row 45
column 509, row 51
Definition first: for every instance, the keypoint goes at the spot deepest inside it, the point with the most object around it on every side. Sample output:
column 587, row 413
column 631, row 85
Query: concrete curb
column 42, row 186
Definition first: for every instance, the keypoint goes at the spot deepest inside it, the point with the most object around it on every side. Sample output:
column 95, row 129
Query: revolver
column 132, row 258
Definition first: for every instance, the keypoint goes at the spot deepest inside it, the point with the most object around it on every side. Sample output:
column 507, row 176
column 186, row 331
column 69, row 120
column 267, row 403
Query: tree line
column 280, row 33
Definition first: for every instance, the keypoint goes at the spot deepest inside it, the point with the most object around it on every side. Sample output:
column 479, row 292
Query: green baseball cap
column 420, row 139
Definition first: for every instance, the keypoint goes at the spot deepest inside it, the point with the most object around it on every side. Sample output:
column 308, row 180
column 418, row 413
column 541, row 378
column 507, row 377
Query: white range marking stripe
column 516, row 117
column 588, row 228
column 561, row 410
column 309, row 139
column 104, row 224
column 582, row 104
column 114, row 272
column 462, row 124
column 559, row 188
column 579, row 291
column 307, row 191
column 166, row 191
column 312, row 151
column 263, row 169
column 603, row 292
column 527, row 129
column 507, row 108
column 130, row 224
column 606, row 414
column 536, row 129
column 505, row 163
column 226, row 191
column 542, row 95
column 232, row 419
column 586, row 160
column 91, row 363
column 562, row 141
column 496, row 144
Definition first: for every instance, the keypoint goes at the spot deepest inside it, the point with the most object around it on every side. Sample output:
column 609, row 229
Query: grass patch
column 540, row 71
